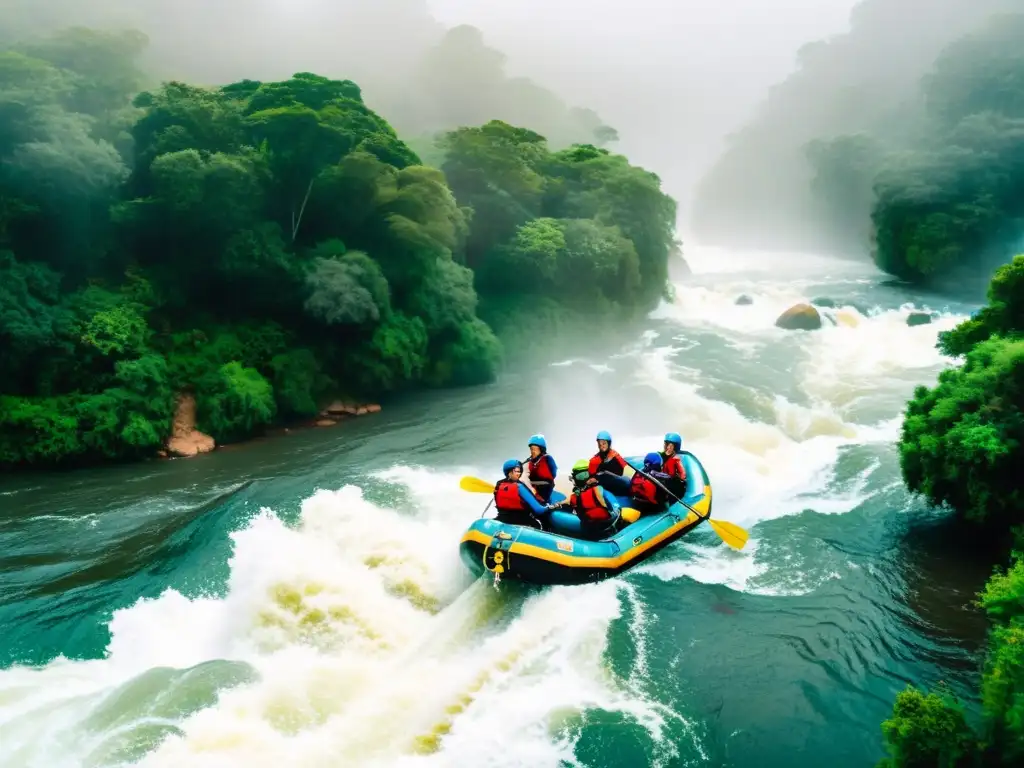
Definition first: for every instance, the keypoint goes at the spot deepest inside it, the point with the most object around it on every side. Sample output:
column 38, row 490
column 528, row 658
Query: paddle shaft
column 670, row 494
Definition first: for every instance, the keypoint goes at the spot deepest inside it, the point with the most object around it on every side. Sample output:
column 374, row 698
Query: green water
column 245, row 608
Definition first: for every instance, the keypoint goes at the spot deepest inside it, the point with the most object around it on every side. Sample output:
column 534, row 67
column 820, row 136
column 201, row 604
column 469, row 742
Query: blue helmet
column 674, row 439
column 604, row 435
column 539, row 441
column 511, row 464
column 652, row 459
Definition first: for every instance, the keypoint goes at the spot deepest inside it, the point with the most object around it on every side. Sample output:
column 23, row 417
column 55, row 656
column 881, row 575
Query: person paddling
column 647, row 495
column 672, row 465
column 541, row 468
column 515, row 501
column 606, row 463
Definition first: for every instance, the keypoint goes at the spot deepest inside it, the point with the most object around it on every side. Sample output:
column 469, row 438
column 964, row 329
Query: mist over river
column 299, row 601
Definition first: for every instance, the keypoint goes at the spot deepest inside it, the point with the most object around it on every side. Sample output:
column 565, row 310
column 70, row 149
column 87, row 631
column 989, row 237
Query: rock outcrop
column 743, row 300
column 338, row 410
column 185, row 439
column 800, row 317
column 918, row 318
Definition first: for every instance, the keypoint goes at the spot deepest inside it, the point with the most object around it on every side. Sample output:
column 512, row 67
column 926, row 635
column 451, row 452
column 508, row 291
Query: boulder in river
column 186, row 440
column 918, row 318
column 743, row 300
column 800, row 317
column 823, row 302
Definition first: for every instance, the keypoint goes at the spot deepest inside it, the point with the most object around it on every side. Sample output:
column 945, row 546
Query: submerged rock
column 743, row 300
column 918, row 318
column 821, row 301
column 800, row 317
column 847, row 318
column 186, row 440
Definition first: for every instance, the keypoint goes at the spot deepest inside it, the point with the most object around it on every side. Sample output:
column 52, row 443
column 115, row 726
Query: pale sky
column 673, row 76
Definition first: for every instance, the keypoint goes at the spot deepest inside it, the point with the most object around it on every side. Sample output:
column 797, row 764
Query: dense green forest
column 962, row 446
column 907, row 146
column 269, row 244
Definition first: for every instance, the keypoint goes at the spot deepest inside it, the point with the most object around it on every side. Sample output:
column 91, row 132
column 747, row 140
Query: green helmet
column 580, row 472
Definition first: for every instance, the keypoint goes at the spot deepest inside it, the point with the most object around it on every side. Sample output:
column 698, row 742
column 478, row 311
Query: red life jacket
column 673, row 466
column 507, row 498
column 643, row 489
column 613, row 463
column 539, row 469
column 589, row 507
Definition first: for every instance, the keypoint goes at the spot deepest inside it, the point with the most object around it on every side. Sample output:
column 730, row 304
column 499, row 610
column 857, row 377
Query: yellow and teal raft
column 555, row 557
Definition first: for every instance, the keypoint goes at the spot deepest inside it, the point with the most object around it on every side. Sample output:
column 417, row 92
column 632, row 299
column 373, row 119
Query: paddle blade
column 629, row 514
column 730, row 533
column 476, row 485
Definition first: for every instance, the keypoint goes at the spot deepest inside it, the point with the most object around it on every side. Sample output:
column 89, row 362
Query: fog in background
column 673, row 76
column 859, row 98
column 720, row 99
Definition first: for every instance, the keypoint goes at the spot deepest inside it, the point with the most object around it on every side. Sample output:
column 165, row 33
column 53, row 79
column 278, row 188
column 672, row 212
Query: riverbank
column 186, row 441
column 263, row 622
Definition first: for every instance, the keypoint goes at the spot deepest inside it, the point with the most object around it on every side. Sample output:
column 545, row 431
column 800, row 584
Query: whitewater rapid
column 355, row 637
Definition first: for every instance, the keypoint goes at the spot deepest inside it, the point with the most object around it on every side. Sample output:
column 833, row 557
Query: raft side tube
column 552, row 558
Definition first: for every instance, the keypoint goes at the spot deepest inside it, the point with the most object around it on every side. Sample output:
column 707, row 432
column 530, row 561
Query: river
column 299, row 601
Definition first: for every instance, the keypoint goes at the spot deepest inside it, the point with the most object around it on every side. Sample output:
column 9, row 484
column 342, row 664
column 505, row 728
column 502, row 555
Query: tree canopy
column 266, row 245
column 962, row 446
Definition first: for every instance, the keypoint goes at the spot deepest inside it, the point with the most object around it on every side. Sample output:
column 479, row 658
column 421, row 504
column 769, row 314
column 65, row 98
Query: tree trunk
column 297, row 221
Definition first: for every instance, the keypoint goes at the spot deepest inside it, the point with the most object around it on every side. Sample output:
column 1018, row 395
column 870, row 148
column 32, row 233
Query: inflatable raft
column 557, row 557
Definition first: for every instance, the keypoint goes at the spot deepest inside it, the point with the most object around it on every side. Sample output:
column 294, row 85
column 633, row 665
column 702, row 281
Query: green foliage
column 1002, row 316
column 235, row 403
column 347, row 290
column 930, row 730
column 471, row 357
column 956, row 201
column 963, row 440
column 298, row 382
column 1003, row 679
column 543, row 221
column 963, row 445
column 274, row 241
column 927, row 731
column 394, row 357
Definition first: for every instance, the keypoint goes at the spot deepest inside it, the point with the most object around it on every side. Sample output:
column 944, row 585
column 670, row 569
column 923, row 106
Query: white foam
column 367, row 647
column 366, row 641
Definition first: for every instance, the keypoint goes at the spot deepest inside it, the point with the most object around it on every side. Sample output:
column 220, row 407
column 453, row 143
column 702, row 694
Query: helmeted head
column 673, row 439
column 540, row 442
column 510, row 466
column 580, row 473
column 604, row 436
column 652, row 460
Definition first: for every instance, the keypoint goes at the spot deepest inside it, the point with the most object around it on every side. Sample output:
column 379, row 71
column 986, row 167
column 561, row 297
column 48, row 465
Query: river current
column 299, row 601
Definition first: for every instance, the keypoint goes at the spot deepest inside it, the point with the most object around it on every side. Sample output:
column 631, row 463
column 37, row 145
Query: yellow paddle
column 476, row 485
column 730, row 533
